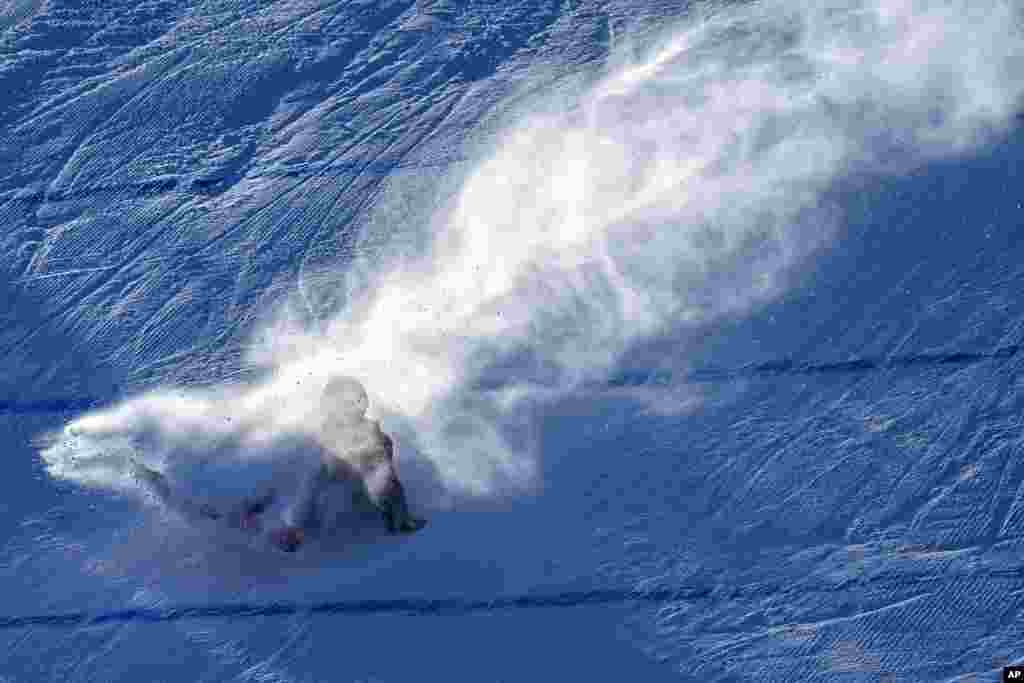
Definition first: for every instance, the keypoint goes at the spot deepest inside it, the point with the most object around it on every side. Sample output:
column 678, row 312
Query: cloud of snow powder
column 681, row 187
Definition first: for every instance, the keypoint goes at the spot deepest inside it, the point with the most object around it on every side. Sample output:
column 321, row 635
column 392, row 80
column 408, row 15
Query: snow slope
column 489, row 213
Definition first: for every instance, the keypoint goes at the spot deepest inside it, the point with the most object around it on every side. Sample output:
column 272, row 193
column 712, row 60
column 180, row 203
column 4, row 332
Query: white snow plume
column 680, row 188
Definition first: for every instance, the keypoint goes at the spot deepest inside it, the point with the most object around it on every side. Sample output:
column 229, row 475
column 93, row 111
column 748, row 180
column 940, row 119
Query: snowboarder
column 355, row 453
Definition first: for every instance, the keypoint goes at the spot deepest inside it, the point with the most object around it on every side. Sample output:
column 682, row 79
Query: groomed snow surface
column 697, row 328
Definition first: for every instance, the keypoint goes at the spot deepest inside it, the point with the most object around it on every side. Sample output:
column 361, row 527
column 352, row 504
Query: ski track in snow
column 537, row 199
